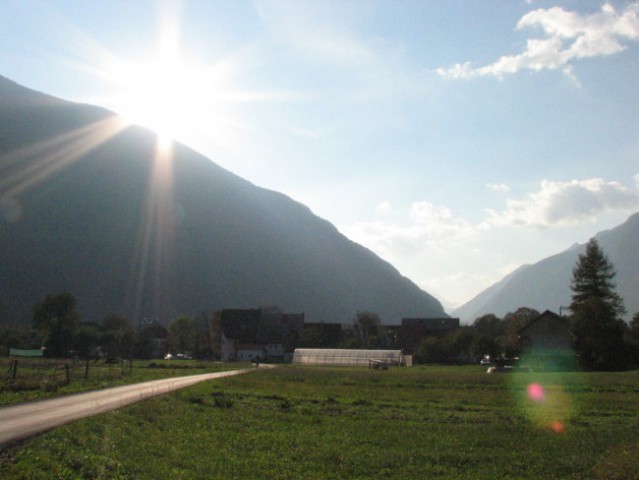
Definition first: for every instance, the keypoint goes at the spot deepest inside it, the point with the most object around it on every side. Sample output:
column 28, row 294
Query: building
column 547, row 341
column 267, row 334
column 321, row 335
column 413, row 330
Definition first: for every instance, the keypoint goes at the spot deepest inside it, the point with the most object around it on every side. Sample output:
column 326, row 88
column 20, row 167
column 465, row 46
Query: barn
column 348, row 357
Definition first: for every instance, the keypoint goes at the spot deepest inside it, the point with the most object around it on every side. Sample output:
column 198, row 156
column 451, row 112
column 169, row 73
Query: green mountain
column 89, row 206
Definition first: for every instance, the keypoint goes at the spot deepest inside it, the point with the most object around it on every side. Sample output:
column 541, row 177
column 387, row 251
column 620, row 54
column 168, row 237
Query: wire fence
column 44, row 373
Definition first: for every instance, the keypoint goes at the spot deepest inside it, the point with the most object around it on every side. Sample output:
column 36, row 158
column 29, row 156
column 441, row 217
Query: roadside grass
column 329, row 423
column 42, row 378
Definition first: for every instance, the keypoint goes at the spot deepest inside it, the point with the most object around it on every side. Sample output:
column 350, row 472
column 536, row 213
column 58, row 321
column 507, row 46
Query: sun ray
column 156, row 240
column 29, row 166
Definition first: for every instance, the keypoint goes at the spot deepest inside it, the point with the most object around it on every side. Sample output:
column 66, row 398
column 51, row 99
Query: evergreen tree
column 597, row 310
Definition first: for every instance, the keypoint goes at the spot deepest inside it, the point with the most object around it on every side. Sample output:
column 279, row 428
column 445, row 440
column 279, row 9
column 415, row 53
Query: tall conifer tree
column 597, row 310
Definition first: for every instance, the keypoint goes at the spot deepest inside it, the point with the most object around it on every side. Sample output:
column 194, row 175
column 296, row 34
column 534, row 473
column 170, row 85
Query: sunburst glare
column 153, row 264
column 34, row 164
column 171, row 92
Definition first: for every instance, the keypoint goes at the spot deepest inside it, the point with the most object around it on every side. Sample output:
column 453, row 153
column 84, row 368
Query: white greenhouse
column 348, row 357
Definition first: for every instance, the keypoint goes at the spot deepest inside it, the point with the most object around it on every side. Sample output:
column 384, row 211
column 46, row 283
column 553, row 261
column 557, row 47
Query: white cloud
column 498, row 187
column 424, row 227
column 569, row 36
column 437, row 222
column 384, row 207
column 565, row 203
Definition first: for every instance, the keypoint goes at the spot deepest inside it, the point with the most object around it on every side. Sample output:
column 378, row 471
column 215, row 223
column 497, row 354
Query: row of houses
column 270, row 335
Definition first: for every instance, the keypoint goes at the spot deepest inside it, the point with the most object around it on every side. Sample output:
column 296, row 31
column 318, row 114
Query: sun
column 166, row 94
column 183, row 96
column 169, row 91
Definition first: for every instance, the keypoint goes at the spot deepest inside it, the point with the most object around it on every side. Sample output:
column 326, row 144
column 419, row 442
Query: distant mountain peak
column 546, row 284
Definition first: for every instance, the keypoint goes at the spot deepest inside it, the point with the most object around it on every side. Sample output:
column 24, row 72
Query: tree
column 632, row 338
column 633, row 330
column 86, row 339
column 461, row 341
column 432, row 350
column 489, row 325
column 514, row 321
column 509, row 342
column 484, row 344
column 13, row 337
column 150, row 341
column 367, row 326
column 56, row 320
column 183, row 335
column 597, row 310
column 118, row 337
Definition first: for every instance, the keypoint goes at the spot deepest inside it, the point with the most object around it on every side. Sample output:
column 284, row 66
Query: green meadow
column 346, row 423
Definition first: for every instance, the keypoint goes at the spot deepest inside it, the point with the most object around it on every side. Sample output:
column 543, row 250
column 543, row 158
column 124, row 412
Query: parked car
column 177, row 356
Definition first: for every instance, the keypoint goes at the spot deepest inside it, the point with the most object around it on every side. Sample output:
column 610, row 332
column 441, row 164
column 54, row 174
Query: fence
column 33, row 373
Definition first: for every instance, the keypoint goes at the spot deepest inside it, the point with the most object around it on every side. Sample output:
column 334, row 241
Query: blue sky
column 456, row 139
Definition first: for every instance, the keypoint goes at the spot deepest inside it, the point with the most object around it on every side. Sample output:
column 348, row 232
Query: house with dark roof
column 265, row 333
column 413, row 330
column 546, row 334
column 547, row 341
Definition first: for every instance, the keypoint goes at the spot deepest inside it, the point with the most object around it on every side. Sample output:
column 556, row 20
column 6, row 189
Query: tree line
column 602, row 339
column 56, row 327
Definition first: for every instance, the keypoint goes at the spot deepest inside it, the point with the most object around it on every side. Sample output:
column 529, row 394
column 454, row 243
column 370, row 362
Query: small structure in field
column 547, row 342
column 348, row 357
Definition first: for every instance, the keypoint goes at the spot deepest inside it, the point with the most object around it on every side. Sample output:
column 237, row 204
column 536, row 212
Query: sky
column 456, row 139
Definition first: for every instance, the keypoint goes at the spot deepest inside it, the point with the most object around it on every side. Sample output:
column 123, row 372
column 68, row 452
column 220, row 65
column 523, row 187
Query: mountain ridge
column 545, row 285
column 99, row 224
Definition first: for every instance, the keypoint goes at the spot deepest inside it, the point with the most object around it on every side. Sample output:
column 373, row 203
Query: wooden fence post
column 13, row 370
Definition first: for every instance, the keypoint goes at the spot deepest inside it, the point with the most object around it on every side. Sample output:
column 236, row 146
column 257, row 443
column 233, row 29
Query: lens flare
column 548, row 405
column 536, row 392
column 543, row 389
column 557, row 427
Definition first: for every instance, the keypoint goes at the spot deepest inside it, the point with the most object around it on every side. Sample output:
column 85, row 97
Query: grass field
column 338, row 423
